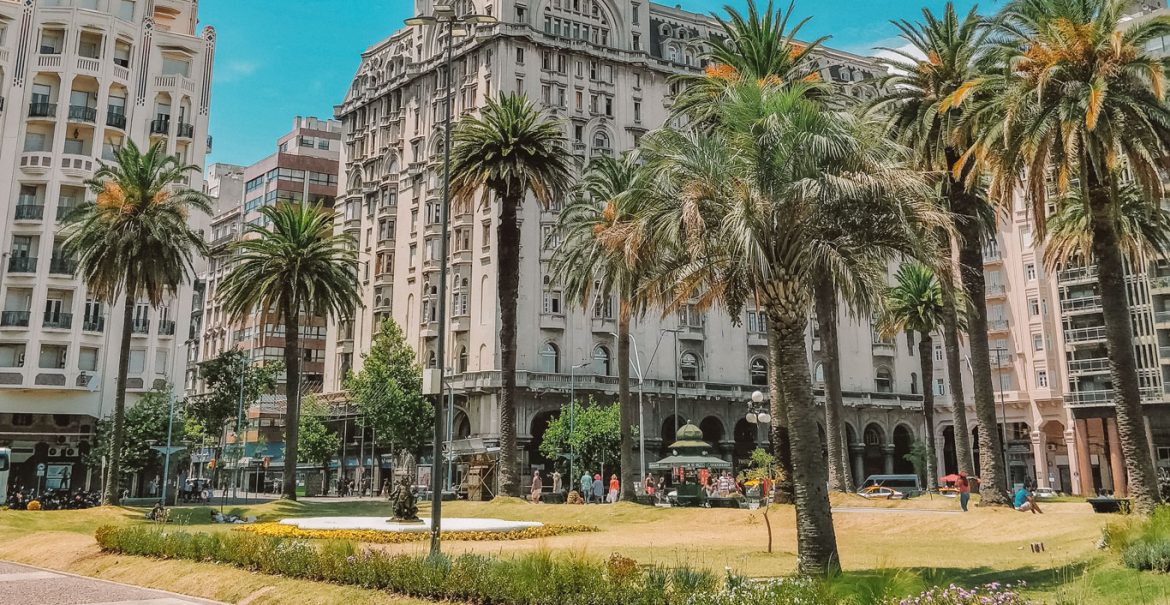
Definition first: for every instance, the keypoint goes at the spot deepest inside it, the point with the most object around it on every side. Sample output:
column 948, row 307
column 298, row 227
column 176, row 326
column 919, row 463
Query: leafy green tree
column 916, row 303
column 1076, row 100
column 512, row 149
column 921, row 457
column 134, row 241
column 595, row 438
column 602, row 254
column 229, row 378
column 318, row 443
column 145, row 423
column 388, row 391
column 918, row 105
column 295, row 268
column 764, row 467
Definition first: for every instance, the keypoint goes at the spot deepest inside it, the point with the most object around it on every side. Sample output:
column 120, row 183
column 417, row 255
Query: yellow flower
column 281, row 530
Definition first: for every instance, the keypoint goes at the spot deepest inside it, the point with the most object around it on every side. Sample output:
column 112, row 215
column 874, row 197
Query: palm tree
column 752, row 210
column 602, row 254
column 916, row 303
column 297, row 266
column 1143, row 230
column 918, row 104
column 1078, row 100
column 511, row 149
column 134, row 241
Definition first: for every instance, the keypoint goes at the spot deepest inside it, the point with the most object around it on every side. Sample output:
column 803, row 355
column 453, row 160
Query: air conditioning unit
column 1052, row 447
column 54, row 452
column 70, row 452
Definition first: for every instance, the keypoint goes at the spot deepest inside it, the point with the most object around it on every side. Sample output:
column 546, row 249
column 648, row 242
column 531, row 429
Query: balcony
column 996, row 290
column 63, row 210
column 1077, row 274
column 884, row 349
column 140, row 326
column 22, row 264
column 14, row 319
column 1089, row 398
column 166, row 327
column 1160, row 283
column 62, row 266
column 186, row 131
column 30, row 212
column 175, row 81
column 1093, row 366
column 58, row 321
column 81, row 113
column 97, row 324
column 1084, row 304
column 116, row 120
column 997, row 325
column 42, row 110
column 160, row 126
column 1162, row 317
column 1082, row 335
column 89, row 64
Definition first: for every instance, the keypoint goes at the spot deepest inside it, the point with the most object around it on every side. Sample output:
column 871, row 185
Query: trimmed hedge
column 528, row 579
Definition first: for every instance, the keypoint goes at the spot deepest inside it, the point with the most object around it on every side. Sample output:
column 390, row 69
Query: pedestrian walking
column 556, row 481
column 537, row 485
column 598, row 489
column 964, row 490
column 586, row 486
column 614, row 489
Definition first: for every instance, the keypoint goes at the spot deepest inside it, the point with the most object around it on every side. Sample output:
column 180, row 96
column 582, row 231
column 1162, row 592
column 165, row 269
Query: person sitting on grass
column 1026, row 500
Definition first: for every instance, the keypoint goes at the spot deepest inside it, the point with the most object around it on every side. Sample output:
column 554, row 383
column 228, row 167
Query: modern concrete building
column 303, row 167
column 79, row 79
column 604, row 69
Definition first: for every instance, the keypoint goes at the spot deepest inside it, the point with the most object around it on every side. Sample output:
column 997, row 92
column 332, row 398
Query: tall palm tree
column 134, row 241
column 918, row 103
column 754, row 209
column 511, row 149
column 1143, row 230
column 296, row 267
column 916, row 303
column 603, row 253
column 1078, row 100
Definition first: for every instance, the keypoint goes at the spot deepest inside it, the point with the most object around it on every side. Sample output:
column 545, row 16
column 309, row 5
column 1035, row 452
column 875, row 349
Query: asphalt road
column 23, row 585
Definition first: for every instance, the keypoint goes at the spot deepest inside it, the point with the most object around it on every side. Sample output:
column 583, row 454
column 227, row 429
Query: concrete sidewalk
column 24, row 585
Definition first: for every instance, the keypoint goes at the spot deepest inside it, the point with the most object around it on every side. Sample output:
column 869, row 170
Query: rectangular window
column 1042, row 378
column 520, row 56
column 552, row 302
column 940, row 387
column 1033, row 307
column 1005, row 381
column 137, row 361
column 637, row 111
column 1037, row 342
column 1030, row 272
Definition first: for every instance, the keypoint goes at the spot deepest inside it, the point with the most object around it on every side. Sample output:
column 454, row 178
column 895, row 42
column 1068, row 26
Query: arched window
column 550, row 358
column 913, row 383
column 688, row 367
column 462, row 359
column 883, row 380
column 759, row 372
column 819, row 373
column 602, row 361
column 601, row 140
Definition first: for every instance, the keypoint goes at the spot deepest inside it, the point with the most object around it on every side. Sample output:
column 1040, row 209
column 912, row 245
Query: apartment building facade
column 80, row 78
column 604, row 69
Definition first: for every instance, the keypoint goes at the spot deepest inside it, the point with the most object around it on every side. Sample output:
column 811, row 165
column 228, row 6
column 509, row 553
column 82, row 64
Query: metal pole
column 1003, row 416
column 239, row 423
column 676, row 425
column 572, row 410
column 450, row 435
column 167, row 456
column 444, row 218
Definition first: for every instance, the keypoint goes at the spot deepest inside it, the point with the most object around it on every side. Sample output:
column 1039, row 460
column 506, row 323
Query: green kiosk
column 688, row 455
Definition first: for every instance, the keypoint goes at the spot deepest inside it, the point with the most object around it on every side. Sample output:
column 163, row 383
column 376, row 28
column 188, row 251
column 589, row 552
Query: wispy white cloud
column 235, row 70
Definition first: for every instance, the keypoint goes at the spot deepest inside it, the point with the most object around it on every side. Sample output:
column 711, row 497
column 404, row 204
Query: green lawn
column 884, row 552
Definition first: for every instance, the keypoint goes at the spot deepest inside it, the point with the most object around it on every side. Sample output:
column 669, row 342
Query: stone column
column 858, row 452
column 1116, row 459
column 1083, row 463
column 888, row 454
column 1040, row 453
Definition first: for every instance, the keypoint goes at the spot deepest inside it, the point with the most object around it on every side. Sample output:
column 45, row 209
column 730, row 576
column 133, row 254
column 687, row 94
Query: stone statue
column 405, row 506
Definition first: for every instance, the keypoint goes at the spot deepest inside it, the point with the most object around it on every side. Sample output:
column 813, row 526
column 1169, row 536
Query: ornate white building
column 78, row 79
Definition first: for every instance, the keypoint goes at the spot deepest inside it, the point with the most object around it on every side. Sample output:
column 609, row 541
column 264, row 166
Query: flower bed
column 989, row 594
column 385, row 537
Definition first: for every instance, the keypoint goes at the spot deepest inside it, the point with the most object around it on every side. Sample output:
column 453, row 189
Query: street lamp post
column 641, row 389
column 1003, row 416
column 443, row 15
column 573, row 414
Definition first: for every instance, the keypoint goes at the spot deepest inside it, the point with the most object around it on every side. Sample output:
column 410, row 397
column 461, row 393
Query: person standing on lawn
column 598, row 489
column 586, row 486
column 614, row 488
column 964, row 490
column 537, row 486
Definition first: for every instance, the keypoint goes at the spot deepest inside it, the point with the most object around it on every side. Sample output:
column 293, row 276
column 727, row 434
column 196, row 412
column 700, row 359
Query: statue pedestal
column 396, row 521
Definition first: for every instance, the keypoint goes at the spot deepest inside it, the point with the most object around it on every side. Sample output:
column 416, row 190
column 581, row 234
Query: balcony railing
column 61, row 321
column 996, row 290
column 140, row 326
column 1077, row 274
column 1105, row 397
column 22, row 264
column 1084, row 303
column 81, row 113
column 1085, row 334
column 30, row 212
column 62, row 266
column 160, row 126
column 1161, row 281
column 997, row 325
column 63, row 210
column 42, row 110
column 186, row 131
column 115, row 119
column 97, row 324
column 166, row 327
column 1088, row 365
column 16, row 319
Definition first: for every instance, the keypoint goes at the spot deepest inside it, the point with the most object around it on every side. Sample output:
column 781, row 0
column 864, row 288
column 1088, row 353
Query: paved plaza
column 24, row 585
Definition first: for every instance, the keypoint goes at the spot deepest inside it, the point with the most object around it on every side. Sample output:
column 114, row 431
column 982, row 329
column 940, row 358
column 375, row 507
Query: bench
column 716, row 502
column 1110, row 505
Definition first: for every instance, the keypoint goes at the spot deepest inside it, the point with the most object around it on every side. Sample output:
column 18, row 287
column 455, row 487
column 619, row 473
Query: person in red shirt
column 964, row 486
column 614, row 489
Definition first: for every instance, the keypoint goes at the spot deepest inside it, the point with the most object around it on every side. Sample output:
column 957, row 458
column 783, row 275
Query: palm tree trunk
column 113, row 495
column 992, row 480
column 292, row 388
column 508, row 239
column 955, row 378
column 926, row 359
column 1123, row 369
column 826, row 306
column 778, row 432
column 625, row 414
column 816, row 539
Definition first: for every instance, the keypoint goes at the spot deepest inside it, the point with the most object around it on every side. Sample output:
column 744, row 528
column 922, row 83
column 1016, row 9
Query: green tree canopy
column 319, row 443
column 146, row 422
column 388, row 391
column 596, row 436
column 208, row 413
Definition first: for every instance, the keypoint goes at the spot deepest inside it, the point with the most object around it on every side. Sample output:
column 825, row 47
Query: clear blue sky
column 277, row 59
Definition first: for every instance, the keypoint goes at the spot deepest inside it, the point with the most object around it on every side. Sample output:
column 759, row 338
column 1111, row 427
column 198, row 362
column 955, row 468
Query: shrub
column 1143, row 543
column 34, row 505
column 993, row 593
column 1147, row 555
